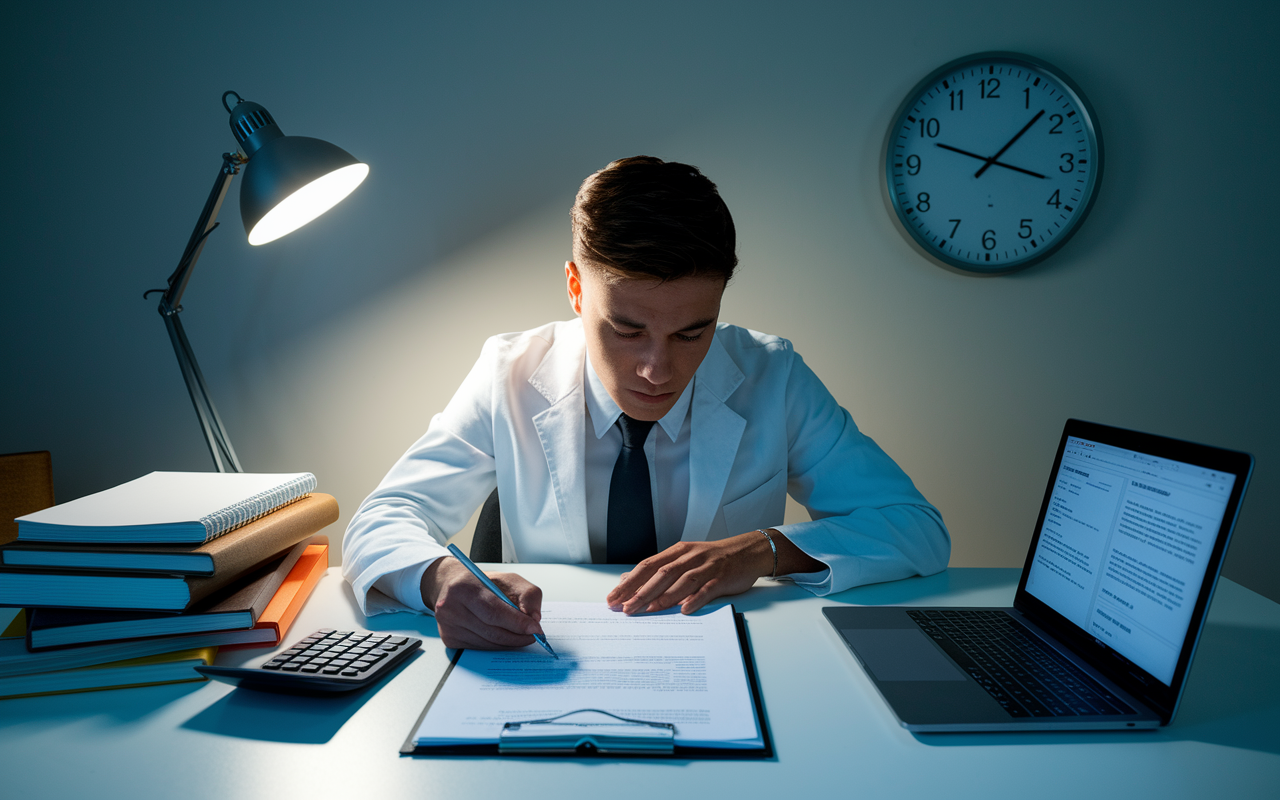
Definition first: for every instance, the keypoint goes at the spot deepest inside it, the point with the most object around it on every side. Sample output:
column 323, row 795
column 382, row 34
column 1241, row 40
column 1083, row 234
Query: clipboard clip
column 595, row 732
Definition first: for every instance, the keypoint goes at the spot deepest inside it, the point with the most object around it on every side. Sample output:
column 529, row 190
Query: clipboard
column 561, row 737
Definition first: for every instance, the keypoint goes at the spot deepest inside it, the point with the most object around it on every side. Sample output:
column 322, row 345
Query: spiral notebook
column 177, row 507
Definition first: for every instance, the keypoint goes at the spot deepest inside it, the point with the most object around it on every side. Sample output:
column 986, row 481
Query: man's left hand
column 692, row 574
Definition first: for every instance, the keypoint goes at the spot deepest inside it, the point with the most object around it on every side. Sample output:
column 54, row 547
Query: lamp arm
column 215, row 435
column 224, row 456
column 171, row 303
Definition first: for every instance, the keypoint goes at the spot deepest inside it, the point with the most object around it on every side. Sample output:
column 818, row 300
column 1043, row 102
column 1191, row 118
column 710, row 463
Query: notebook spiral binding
column 246, row 511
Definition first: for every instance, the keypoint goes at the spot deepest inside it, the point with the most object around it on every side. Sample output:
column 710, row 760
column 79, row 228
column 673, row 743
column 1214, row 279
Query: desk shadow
column 614, row 570
column 1232, row 699
column 599, row 762
column 921, row 591
column 422, row 625
column 909, row 591
column 759, row 598
column 528, row 667
column 292, row 719
column 114, row 707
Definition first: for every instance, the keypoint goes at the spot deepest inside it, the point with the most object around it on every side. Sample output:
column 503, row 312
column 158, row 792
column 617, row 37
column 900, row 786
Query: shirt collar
column 605, row 412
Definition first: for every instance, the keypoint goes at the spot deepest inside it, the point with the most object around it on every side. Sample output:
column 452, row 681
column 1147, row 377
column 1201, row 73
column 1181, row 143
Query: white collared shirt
column 668, row 457
column 667, row 454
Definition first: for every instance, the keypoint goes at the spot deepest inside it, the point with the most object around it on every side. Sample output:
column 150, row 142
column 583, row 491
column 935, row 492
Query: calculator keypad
column 326, row 661
column 341, row 653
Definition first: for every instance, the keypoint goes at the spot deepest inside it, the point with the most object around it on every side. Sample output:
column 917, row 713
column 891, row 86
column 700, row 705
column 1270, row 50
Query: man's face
column 645, row 338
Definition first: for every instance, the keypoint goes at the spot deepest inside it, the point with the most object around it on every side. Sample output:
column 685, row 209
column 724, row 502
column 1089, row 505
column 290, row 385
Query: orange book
column 291, row 596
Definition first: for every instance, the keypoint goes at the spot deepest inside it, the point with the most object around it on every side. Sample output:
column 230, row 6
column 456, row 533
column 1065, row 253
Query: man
column 643, row 431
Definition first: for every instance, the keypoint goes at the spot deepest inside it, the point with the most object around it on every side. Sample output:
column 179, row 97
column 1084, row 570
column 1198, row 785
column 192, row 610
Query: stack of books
column 138, row 584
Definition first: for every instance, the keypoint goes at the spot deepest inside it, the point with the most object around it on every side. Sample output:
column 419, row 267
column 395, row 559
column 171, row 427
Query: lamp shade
column 291, row 181
column 288, row 180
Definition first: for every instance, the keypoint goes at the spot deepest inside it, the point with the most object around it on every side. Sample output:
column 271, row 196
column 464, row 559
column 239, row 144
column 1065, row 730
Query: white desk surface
column 832, row 734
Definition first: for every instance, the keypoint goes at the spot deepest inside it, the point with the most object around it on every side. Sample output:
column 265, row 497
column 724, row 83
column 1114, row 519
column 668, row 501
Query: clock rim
column 1092, row 129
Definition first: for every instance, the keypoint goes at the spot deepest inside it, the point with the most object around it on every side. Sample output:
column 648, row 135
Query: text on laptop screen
column 1124, row 547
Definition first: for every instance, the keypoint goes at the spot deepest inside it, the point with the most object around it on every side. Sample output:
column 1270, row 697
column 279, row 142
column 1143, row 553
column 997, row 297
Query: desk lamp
column 288, row 181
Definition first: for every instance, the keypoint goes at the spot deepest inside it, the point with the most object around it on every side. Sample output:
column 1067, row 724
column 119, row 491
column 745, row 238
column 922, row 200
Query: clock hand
column 984, row 158
column 1015, row 138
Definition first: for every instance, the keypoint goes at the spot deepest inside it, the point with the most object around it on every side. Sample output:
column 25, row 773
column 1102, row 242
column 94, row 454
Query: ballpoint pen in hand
column 493, row 587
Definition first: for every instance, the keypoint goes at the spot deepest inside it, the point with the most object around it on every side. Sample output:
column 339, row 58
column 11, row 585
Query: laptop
column 1113, row 597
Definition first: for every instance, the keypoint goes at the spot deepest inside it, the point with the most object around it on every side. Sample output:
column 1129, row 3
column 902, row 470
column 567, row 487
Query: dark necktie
column 632, row 536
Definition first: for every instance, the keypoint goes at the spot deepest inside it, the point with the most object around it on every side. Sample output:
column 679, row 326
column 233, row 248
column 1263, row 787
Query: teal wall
column 330, row 350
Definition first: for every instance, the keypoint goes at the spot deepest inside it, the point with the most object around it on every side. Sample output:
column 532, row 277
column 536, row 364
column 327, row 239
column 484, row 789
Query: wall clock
column 992, row 162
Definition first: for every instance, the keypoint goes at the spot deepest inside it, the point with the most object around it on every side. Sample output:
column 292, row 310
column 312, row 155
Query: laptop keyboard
column 1026, row 678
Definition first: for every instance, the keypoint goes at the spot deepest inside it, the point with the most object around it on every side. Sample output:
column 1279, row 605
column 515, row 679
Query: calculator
column 326, row 661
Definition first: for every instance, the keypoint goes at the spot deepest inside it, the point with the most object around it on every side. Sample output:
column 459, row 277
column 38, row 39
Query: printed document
column 664, row 667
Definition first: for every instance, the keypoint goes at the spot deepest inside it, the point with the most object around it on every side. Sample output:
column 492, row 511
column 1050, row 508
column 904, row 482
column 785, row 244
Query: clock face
column 992, row 163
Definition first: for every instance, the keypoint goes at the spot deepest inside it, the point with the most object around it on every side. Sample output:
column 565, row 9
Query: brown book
column 32, row 588
column 292, row 594
column 232, row 553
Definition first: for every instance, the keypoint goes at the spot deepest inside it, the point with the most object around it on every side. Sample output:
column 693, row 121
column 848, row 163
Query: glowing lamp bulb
column 307, row 203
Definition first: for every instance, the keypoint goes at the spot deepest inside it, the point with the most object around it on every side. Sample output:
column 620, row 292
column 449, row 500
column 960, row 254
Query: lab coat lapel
column 715, row 431
column 562, row 432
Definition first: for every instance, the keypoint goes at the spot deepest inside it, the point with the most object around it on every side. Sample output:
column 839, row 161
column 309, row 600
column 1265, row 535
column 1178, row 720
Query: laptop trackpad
column 901, row 654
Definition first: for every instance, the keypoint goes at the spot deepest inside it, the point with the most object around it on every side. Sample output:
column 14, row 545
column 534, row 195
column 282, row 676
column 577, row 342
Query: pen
column 491, row 586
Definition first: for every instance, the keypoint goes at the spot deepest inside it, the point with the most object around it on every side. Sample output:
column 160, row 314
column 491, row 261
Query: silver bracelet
column 774, row 548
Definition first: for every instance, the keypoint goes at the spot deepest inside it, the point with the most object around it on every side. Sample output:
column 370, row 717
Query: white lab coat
column 762, row 426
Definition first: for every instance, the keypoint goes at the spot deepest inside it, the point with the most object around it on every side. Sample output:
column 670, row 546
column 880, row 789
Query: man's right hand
column 469, row 615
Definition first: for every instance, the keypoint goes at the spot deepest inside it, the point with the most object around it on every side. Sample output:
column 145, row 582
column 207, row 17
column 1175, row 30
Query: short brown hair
column 642, row 217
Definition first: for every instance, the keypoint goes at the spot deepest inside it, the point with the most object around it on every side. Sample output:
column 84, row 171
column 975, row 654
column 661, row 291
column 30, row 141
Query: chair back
column 486, row 544
column 26, row 486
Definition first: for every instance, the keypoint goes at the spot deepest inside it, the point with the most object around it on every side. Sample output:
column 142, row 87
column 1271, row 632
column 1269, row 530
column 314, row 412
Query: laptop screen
column 1124, row 546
